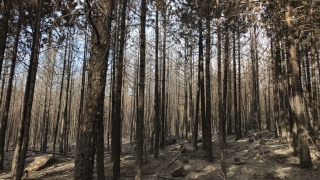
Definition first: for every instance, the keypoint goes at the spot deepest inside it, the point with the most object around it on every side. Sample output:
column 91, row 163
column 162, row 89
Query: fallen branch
column 252, row 156
column 175, row 158
column 239, row 163
column 263, row 159
column 269, row 140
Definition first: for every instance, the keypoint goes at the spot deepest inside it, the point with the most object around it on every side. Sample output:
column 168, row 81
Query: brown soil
column 268, row 158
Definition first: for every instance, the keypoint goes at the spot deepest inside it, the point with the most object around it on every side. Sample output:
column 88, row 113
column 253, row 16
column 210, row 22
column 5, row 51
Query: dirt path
column 265, row 159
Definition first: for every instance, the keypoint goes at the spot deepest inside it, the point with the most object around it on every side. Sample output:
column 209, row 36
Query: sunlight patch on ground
column 242, row 140
column 280, row 151
column 201, row 171
column 283, row 171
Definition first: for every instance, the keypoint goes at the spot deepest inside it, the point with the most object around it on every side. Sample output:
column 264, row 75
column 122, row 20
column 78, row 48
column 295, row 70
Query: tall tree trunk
column 277, row 72
column 254, row 104
column 113, row 74
column 270, row 117
column 28, row 99
column 185, row 84
column 222, row 122
column 257, row 92
column 191, row 105
column 44, row 118
column 163, row 88
column 4, row 28
column 117, row 119
column 100, row 152
column 314, row 100
column 83, row 82
column 140, row 110
column 63, row 129
column 239, row 84
column 296, row 101
column 196, row 119
column 209, row 155
column 201, row 87
column 47, row 112
column 55, row 133
column 94, row 102
column 225, row 81
column 5, row 115
column 235, row 102
column 3, row 84
column 156, row 88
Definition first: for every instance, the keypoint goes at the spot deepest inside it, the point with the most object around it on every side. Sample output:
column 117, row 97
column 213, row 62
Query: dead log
column 39, row 163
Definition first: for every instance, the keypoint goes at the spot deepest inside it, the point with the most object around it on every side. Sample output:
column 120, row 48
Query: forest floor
column 267, row 158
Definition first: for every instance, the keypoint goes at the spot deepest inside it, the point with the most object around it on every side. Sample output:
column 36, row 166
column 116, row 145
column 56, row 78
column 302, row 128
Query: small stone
column 180, row 171
column 129, row 158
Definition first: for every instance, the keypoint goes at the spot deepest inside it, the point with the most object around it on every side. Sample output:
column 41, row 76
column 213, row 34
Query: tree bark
column 83, row 82
column 28, row 98
column 5, row 115
column 140, row 109
column 4, row 28
column 62, row 140
column 47, row 112
column 296, row 101
column 222, row 123
column 239, row 85
column 117, row 119
column 314, row 100
column 201, row 87
column 156, row 88
column 225, row 81
column 163, row 87
column 235, row 98
column 209, row 155
column 94, row 101
column 60, row 99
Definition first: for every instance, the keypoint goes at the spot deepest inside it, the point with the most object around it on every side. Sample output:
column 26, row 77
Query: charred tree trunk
column 117, row 119
column 55, row 133
column 225, row 81
column 209, row 155
column 94, row 102
column 201, row 87
column 163, row 88
column 83, row 82
column 140, row 110
column 47, row 112
column 4, row 28
column 156, row 88
column 5, row 115
column 314, row 100
column 62, row 146
column 296, row 101
column 196, row 120
column 222, row 122
column 235, row 98
column 239, row 86
column 23, row 137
